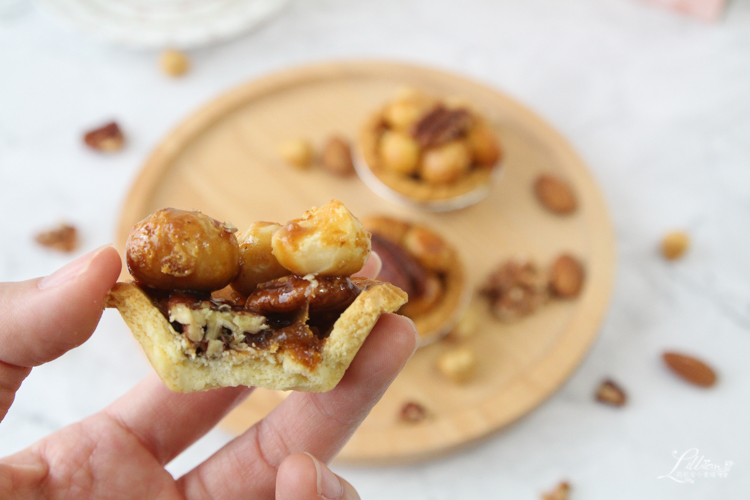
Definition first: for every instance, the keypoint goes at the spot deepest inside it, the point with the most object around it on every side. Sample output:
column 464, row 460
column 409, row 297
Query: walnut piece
column 674, row 245
column 441, row 125
column 413, row 412
column 63, row 238
column 611, row 394
column 515, row 289
column 337, row 156
column 106, row 139
column 555, row 194
column 561, row 492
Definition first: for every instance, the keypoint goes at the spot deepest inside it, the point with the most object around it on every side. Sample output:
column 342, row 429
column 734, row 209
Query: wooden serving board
column 223, row 160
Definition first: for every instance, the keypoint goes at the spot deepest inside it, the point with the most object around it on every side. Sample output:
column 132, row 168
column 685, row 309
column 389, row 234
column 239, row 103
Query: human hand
column 121, row 451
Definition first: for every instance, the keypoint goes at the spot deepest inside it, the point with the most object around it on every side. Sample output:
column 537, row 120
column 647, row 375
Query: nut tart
column 275, row 306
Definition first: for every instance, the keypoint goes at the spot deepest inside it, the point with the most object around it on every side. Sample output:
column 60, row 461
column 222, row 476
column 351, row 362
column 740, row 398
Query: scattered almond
column 458, row 365
column 611, row 394
column 555, row 194
column 174, row 62
column 107, row 139
column 674, row 245
column 337, row 156
column 561, row 492
column 413, row 412
column 566, row 277
column 690, row 369
column 297, row 152
column 63, row 238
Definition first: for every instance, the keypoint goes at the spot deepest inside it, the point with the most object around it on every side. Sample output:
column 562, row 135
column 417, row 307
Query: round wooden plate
column 223, row 160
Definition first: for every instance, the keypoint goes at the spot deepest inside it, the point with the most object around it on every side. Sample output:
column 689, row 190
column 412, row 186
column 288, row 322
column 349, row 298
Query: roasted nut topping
column 328, row 241
column 566, row 277
column 483, row 145
column 515, row 289
column 611, row 393
column 107, row 139
column 178, row 250
column 63, row 238
column 292, row 293
column 337, row 157
column 446, row 163
column 690, row 369
column 413, row 412
column 440, row 126
column 400, row 152
column 674, row 245
column 555, row 194
column 257, row 263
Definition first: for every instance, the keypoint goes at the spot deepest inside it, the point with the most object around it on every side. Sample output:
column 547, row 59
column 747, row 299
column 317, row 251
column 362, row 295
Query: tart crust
column 264, row 367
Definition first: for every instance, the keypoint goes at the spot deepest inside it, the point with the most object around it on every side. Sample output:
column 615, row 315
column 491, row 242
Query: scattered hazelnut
column 63, row 238
column 447, row 163
column 297, row 152
column 174, row 62
column 674, row 245
column 108, row 138
column 328, row 241
column 555, row 194
column 566, row 277
column 399, row 152
column 561, row 492
column 458, row 365
column 413, row 412
column 690, row 369
column 337, row 157
column 611, row 394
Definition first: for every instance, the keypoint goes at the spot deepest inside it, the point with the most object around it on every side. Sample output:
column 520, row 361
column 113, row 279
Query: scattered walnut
column 515, row 289
column 566, row 277
column 611, row 393
column 174, row 63
column 413, row 412
column 559, row 493
column 337, row 156
column 458, row 365
column 690, row 369
column 63, row 238
column 555, row 194
column 297, row 152
column 674, row 245
column 108, row 138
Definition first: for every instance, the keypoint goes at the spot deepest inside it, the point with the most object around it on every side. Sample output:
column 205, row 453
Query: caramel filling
column 292, row 314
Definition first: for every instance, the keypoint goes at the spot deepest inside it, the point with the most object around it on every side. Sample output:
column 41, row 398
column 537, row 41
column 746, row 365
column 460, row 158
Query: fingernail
column 378, row 263
column 71, row 270
column 416, row 333
column 329, row 484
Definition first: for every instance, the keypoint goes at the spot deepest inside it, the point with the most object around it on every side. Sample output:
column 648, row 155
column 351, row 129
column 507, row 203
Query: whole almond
column 690, row 369
column 337, row 156
column 610, row 393
column 555, row 194
column 566, row 277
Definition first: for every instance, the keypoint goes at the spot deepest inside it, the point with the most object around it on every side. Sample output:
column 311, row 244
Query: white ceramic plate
column 159, row 24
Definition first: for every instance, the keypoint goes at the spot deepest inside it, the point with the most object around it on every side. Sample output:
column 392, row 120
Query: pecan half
column 441, row 125
column 107, row 139
column 292, row 293
column 63, row 238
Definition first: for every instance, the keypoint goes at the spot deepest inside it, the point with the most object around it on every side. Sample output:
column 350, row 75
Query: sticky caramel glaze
column 299, row 323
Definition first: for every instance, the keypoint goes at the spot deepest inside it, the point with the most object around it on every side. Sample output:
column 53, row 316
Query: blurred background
column 654, row 96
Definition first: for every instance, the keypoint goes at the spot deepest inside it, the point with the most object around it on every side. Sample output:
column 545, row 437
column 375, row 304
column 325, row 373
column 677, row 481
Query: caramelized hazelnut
column 447, row 163
column 428, row 248
column 328, row 241
column 257, row 263
column 485, row 149
column 399, row 152
column 179, row 250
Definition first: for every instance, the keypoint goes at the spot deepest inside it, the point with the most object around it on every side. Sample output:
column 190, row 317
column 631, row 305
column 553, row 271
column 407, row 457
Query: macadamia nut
column 447, row 163
column 328, row 241
column 485, row 149
column 257, row 263
column 297, row 152
column 179, row 250
column 674, row 245
column 400, row 152
column 458, row 365
column 174, row 63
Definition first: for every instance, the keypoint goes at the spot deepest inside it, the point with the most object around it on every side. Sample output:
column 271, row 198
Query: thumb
column 303, row 477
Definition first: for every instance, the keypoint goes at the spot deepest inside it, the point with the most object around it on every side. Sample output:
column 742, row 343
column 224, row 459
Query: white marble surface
column 657, row 104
